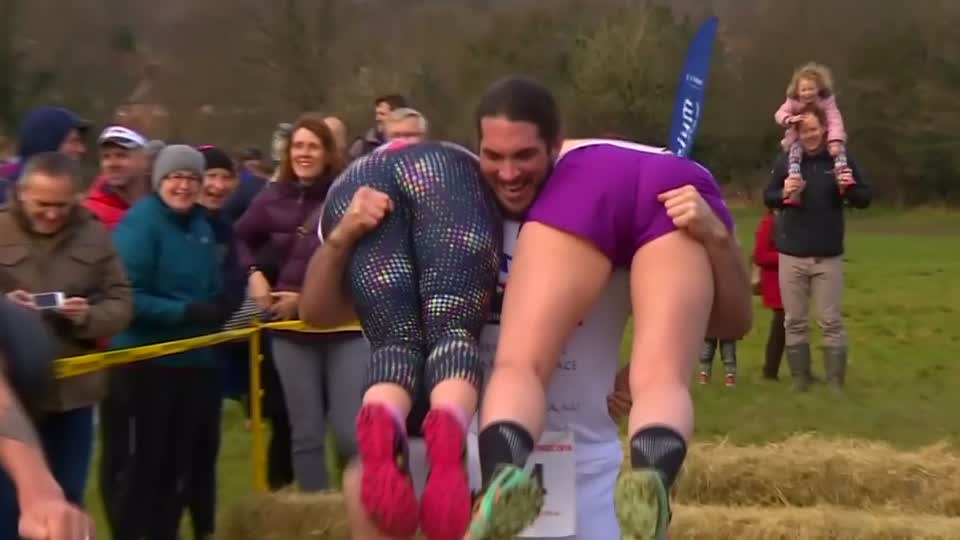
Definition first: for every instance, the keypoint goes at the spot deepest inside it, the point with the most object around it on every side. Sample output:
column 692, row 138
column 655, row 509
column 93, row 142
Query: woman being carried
column 602, row 210
column 422, row 284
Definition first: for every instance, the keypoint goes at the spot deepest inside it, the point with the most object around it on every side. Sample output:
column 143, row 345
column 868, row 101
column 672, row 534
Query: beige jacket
column 80, row 260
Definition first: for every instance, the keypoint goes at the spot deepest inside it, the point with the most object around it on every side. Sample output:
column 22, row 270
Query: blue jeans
column 67, row 439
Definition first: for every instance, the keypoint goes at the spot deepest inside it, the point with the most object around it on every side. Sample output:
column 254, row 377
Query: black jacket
column 362, row 146
column 815, row 227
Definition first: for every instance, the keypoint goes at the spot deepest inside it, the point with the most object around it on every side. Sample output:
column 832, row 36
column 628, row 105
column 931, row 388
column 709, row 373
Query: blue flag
column 692, row 89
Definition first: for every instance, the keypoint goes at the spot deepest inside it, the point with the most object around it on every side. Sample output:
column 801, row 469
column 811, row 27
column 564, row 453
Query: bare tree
column 291, row 42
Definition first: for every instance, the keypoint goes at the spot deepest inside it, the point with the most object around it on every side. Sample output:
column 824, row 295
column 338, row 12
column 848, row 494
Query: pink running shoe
column 387, row 490
column 445, row 508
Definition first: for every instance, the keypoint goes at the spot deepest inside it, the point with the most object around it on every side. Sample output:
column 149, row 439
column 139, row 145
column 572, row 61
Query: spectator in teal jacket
column 170, row 255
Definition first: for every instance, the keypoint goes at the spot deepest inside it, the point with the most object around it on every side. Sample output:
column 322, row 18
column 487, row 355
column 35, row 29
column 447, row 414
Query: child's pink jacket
column 791, row 107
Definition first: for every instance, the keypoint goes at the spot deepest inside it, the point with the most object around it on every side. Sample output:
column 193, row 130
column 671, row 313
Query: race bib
column 555, row 464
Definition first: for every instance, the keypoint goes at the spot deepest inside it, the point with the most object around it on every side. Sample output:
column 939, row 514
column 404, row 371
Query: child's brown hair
column 818, row 73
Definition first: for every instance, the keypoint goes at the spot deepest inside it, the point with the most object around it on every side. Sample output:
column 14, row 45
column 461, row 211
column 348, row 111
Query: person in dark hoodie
column 45, row 129
column 252, row 180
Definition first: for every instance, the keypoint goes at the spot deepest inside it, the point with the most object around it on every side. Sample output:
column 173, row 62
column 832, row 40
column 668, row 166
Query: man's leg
column 827, row 292
column 202, row 485
column 129, row 482
column 147, row 466
column 171, row 439
column 795, row 290
column 116, row 417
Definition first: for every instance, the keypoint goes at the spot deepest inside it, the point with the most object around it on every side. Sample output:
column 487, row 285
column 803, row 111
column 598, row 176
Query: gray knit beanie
column 177, row 157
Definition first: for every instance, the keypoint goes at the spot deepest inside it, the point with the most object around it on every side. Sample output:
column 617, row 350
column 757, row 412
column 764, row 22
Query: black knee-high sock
column 503, row 443
column 659, row 448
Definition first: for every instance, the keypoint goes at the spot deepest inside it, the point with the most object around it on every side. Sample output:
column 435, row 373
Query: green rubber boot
column 835, row 366
column 798, row 358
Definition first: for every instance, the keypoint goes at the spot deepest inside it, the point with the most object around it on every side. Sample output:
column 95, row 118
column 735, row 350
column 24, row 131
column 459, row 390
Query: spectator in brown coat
column 49, row 243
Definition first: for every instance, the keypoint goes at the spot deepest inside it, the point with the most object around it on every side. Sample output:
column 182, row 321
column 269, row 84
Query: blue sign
column 692, row 89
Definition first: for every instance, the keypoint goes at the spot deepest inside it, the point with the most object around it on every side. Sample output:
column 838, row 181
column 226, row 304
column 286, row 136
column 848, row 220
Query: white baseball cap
column 123, row 137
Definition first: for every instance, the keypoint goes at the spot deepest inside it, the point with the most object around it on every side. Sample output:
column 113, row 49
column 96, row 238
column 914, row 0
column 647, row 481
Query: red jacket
column 766, row 257
column 109, row 209
column 106, row 205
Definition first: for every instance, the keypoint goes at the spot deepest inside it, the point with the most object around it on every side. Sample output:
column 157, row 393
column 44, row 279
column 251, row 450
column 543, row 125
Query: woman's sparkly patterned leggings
column 423, row 281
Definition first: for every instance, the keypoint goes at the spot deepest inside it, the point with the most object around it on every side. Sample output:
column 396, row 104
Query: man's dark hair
column 817, row 113
column 522, row 99
column 395, row 101
column 52, row 164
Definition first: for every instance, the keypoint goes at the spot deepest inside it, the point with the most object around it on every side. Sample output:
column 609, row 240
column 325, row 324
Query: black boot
column 771, row 363
column 798, row 358
column 835, row 366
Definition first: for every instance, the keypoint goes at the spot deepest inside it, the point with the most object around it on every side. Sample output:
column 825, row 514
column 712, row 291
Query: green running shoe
column 510, row 504
column 643, row 505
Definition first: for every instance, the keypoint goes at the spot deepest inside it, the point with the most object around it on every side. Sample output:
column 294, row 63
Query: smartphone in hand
column 48, row 300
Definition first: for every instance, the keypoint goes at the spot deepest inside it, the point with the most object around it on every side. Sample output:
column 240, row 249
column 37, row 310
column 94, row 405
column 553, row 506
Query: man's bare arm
column 324, row 301
column 14, row 422
column 732, row 314
column 20, row 452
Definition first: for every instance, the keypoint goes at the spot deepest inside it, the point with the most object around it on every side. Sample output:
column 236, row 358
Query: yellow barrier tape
column 89, row 363
column 300, row 326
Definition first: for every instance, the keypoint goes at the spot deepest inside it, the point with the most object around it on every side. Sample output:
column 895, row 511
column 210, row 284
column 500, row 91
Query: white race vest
column 580, row 435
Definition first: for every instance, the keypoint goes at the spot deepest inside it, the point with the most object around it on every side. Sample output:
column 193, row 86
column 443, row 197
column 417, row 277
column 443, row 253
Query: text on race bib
column 555, row 466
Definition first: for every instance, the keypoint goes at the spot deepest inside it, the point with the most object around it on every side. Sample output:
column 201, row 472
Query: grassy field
column 902, row 309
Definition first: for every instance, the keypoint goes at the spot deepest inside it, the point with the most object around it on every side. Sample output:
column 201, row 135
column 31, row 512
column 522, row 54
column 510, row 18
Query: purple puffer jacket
column 283, row 219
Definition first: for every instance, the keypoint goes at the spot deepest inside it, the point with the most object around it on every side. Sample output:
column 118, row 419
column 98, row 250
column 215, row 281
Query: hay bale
column 807, row 471
column 820, row 523
column 286, row 515
column 292, row 516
